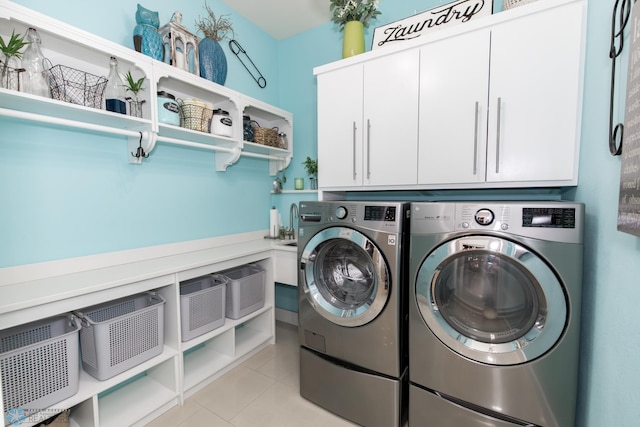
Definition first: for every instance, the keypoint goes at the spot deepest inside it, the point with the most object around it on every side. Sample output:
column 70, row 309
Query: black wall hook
column 140, row 152
column 619, row 20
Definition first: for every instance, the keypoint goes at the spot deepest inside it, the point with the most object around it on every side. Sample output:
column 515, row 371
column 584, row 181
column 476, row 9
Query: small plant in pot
column 134, row 86
column 311, row 166
column 213, row 61
column 9, row 60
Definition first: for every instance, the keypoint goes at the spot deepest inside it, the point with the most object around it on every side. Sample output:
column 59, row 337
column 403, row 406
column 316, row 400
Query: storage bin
column 121, row 334
column 40, row 365
column 245, row 290
column 202, row 305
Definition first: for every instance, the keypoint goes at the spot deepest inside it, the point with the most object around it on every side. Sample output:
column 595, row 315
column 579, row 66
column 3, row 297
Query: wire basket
column 76, row 87
column 265, row 136
column 508, row 4
column 40, row 365
column 195, row 115
column 121, row 334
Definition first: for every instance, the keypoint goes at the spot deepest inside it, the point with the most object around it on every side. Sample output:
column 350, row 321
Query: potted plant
column 311, row 166
column 134, row 86
column 10, row 55
column 213, row 61
column 353, row 17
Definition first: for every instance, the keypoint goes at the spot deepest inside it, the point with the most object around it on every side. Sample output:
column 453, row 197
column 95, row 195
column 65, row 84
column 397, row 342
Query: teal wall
column 72, row 195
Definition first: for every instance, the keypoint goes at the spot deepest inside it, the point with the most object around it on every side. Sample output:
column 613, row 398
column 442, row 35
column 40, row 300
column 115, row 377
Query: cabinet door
column 454, row 74
column 535, row 96
column 339, row 127
column 391, row 119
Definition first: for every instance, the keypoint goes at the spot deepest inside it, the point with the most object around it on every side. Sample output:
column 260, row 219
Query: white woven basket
column 508, row 4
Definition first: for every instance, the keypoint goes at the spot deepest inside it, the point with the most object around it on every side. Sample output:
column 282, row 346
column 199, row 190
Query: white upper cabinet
column 367, row 115
column 535, row 99
column 501, row 105
column 498, row 103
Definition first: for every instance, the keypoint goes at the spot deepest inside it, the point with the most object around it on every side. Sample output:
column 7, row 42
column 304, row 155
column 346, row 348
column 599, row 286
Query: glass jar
column 247, row 129
column 282, row 140
column 221, row 123
column 114, row 92
column 34, row 79
column 168, row 109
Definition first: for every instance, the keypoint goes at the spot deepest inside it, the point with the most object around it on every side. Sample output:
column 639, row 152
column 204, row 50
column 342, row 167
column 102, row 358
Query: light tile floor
column 263, row 391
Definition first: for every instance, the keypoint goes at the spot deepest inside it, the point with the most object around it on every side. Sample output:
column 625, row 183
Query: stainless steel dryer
column 494, row 313
column 352, row 309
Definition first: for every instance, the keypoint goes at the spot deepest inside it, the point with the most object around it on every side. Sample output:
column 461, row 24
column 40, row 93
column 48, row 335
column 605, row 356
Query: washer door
column 491, row 300
column 346, row 278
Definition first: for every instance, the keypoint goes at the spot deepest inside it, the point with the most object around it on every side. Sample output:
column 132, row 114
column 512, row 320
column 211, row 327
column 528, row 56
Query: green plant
column 133, row 85
column 216, row 28
column 311, row 166
column 344, row 11
column 12, row 48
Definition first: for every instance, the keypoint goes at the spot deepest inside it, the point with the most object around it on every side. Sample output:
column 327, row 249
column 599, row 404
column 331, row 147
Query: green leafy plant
column 344, row 11
column 216, row 28
column 133, row 85
column 311, row 166
column 12, row 48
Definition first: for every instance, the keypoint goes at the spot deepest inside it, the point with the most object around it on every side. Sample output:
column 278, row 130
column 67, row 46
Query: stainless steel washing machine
column 494, row 313
column 352, row 294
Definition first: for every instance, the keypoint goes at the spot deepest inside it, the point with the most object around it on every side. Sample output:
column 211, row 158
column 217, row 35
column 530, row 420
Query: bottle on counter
column 114, row 93
column 34, row 79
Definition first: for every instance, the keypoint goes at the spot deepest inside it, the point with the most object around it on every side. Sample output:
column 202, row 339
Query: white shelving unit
column 65, row 45
column 139, row 394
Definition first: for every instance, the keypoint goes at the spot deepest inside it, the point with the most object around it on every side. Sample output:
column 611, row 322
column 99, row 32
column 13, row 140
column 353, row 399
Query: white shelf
column 65, row 45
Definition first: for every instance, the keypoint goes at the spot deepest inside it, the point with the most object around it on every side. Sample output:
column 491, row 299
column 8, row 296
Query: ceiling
column 283, row 18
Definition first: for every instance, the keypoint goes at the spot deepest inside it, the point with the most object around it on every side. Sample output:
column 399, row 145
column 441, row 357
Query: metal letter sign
column 450, row 14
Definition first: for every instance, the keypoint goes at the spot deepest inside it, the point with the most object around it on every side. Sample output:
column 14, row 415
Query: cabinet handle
column 368, row 148
column 475, row 143
column 354, row 151
column 498, row 135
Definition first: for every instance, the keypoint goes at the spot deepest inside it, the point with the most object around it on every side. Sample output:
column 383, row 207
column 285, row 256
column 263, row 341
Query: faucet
column 293, row 212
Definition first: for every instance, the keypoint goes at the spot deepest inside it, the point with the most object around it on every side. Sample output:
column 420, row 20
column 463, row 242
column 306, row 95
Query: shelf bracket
column 224, row 159
column 139, row 147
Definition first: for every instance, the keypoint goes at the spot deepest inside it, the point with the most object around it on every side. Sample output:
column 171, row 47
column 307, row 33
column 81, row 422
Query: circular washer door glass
column 346, row 276
column 491, row 300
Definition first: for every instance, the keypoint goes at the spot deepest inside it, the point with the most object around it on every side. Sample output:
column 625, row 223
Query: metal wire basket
column 195, row 115
column 75, row 86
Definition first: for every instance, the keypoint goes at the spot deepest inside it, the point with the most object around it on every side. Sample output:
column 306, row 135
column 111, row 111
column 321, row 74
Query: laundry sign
column 457, row 12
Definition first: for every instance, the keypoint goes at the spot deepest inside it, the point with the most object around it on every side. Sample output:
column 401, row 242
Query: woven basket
column 508, row 4
column 265, row 136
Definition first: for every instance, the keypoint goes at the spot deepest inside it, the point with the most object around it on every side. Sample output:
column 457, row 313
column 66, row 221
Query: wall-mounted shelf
column 65, row 45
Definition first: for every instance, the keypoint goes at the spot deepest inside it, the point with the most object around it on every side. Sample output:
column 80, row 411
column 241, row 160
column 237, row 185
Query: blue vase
column 213, row 61
column 146, row 38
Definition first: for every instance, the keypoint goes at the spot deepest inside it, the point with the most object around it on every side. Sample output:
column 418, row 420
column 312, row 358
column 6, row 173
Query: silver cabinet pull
column 354, row 150
column 368, row 148
column 498, row 135
column 475, row 142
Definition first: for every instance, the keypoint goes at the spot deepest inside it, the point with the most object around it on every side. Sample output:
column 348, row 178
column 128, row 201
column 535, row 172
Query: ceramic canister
column 221, row 123
column 168, row 109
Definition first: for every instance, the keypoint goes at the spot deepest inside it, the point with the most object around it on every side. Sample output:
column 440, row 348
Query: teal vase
column 213, row 61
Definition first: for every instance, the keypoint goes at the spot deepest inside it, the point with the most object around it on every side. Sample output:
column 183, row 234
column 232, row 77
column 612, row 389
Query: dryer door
column 491, row 300
column 346, row 278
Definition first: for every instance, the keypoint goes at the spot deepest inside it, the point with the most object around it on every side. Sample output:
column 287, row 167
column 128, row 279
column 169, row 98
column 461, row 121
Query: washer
column 494, row 313
column 352, row 312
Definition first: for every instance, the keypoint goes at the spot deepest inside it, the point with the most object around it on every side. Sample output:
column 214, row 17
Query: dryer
column 494, row 313
column 352, row 309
